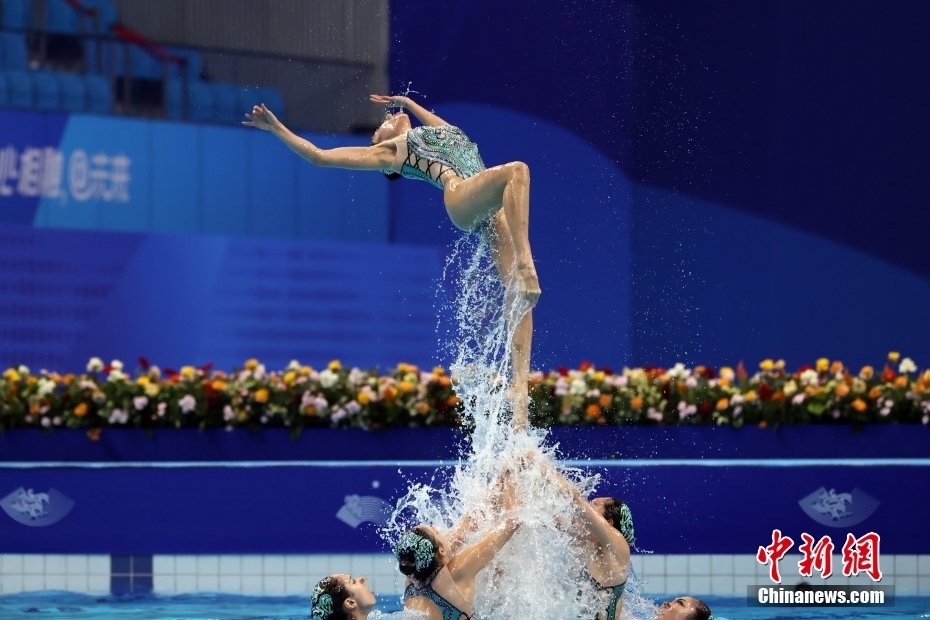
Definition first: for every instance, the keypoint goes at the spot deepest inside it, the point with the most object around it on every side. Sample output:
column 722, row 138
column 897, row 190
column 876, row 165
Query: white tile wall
column 662, row 575
column 76, row 573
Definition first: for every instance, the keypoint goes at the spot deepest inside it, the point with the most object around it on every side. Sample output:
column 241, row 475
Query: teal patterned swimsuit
column 431, row 153
column 447, row 609
column 615, row 593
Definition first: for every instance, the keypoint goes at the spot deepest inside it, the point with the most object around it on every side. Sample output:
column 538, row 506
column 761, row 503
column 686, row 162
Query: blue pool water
column 229, row 607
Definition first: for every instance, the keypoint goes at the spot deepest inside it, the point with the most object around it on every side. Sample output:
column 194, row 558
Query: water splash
column 540, row 573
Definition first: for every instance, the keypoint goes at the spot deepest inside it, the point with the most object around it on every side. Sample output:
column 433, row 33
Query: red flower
column 607, row 371
column 803, row 368
column 563, row 371
column 889, row 375
column 144, row 363
column 741, row 372
column 107, row 369
column 765, row 392
column 584, row 366
column 206, row 367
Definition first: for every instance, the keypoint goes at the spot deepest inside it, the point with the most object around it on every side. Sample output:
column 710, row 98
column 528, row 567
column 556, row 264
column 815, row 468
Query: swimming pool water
column 233, row 607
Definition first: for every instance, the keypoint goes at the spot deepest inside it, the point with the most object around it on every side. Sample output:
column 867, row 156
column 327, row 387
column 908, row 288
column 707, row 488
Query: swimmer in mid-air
column 476, row 198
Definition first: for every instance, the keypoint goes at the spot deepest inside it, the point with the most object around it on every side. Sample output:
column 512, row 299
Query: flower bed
column 300, row 397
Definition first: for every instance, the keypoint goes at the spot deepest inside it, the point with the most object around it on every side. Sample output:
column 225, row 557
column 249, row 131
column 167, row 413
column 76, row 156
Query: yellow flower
column 722, row 404
column 866, row 372
column 823, row 364
column 859, row 405
column 750, row 396
column 405, row 386
column 290, row 377
column 152, row 389
column 893, row 356
column 243, row 416
column 218, row 385
column 724, row 382
column 727, row 373
column 875, row 392
column 841, row 390
column 335, row 366
column 599, row 376
column 767, row 365
column 636, row 403
column 142, row 381
column 261, row 395
column 836, row 367
column 81, row 410
column 780, row 365
column 362, row 398
column 605, row 400
column 305, row 371
column 11, row 375
column 251, row 364
column 438, row 371
column 188, row 372
column 900, row 381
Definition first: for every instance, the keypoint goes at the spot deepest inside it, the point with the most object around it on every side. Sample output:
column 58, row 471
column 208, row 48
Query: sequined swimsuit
column 432, row 153
column 447, row 609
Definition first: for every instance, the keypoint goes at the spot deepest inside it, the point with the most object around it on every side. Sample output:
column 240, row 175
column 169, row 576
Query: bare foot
column 528, row 283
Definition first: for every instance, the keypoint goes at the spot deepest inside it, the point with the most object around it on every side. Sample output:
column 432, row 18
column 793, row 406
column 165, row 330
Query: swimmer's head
column 394, row 125
column 684, row 608
column 421, row 551
column 341, row 597
column 617, row 514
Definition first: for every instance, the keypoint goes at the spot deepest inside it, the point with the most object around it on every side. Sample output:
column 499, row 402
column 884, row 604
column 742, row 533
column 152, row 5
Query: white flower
column 56, row 420
column 139, row 402
column 561, row 387
column 28, row 419
column 691, row 382
column 737, row 411
column 593, row 393
column 736, row 399
column 84, row 384
column 907, row 365
column 118, row 416
column 353, row 407
column 652, row 414
column 162, row 407
column 678, row 371
column 187, row 404
column 46, row 422
column 358, row 376
column 23, row 370
column 577, row 387
column 263, row 419
column 798, row 399
column 294, row 365
column 885, row 411
column 328, row 378
column 116, row 375
column 925, row 419
column 45, row 387
column 228, row 413
column 621, row 381
column 118, row 365
column 684, row 409
column 260, row 372
column 810, row 377
column 338, row 414
column 790, row 388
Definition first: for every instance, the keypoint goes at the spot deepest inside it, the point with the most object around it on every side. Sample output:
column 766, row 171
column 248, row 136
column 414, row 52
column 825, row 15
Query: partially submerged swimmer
column 684, row 608
column 341, row 597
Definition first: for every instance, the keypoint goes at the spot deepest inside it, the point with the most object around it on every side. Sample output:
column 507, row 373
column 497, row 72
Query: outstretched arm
column 426, row 117
column 375, row 157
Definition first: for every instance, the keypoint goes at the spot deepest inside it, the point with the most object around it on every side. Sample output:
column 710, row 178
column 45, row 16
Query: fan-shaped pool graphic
column 36, row 509
column 848, row 508
column 359, row 509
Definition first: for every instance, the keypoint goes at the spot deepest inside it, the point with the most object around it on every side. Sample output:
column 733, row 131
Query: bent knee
column 519, row 170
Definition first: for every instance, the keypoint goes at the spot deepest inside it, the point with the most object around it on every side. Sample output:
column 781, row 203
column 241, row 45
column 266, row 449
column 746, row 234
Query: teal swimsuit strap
column 615, row 593
column 447, row 609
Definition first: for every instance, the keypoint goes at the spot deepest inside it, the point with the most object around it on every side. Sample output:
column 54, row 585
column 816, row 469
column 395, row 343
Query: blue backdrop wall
column 772, row 154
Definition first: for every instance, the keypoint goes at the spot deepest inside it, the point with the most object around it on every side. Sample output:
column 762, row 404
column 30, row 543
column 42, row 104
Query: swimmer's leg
column 472, row 201
column 519, row 319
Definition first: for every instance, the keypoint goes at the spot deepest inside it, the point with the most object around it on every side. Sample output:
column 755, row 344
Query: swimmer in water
column 440, row 573
column 607, row 524
column 684, row 608
column 341, row 597
column 489, row 200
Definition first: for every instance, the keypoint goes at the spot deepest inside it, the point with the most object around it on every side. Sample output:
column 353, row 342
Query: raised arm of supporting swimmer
column 503, row 495
column 374, row 157
column 426, row 117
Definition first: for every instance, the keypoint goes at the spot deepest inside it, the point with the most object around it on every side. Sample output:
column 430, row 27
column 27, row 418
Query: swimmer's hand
column 395, row 100
column 262, row 118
